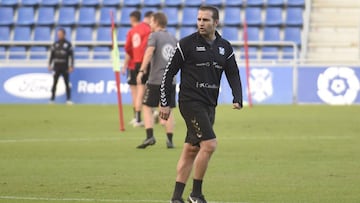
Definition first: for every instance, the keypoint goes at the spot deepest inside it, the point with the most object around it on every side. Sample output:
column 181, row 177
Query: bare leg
column 186, row 162
column 133, row 94
column 169, row 124
column 148, row 117
column 140, row 90
column 207, row 148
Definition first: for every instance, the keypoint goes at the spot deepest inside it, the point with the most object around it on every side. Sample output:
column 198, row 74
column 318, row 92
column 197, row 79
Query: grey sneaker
column 200, row 199
column 169, row 144
column 147, row 142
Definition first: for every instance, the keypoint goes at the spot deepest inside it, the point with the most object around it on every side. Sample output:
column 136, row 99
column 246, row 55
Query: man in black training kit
column 202, row 57
column 62, row 62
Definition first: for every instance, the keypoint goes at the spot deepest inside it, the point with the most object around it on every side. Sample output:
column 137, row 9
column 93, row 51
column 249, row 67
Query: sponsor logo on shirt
column 167, row 51
column 136, row 40
column 200, row 49
column 206, row 85
column 221, row 51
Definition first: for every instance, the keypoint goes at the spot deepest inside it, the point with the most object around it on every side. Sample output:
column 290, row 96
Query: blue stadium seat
column 42, row 33
column 38, row 52
column 68, row 31
column 2, row 52
column 111, row 2
column 66, row 16
column 46, row 16
column 81, row 52
column 122, row 32
column 253, row 16
column 103, row 34
column 132, row 2
column 270, row 53
column 252, row 52
column 4, row 33
column 233, row 3
column 296, row 3
column 153, row 3
column 257, row 3
column 271, row 34
column 125, row 15
column 214, row 2
column 253, row 33
column 30, row 2
column 17, row 52
column 102, row 53
column 172, row 15
column 6, row 16
column 189, row 16
column 294, row 16
column 25, row 16
column 87, row 16
column 105, row 18
column 49, row 2
column 287, row 53
column 22, row 33
column 273, row 16
column 173, row 3
column 147, row 9
column 9, row 2
column 278, row 3
column 84, row 34
column 171, row 30
column 90, row 3
column 232, row 16
column 185, row 31
column 231, row 33
column 293, row 34
column 196, row 3
column 70, row 2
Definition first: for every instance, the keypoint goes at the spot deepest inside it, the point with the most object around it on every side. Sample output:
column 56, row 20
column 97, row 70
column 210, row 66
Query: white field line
column 342, row 137
column 84, row 199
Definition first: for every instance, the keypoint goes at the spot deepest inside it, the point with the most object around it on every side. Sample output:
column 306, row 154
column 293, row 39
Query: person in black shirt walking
column 202, row 57
column 62, row 62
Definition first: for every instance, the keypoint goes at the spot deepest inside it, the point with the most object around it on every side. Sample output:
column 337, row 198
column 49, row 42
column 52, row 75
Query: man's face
column 60, row 35
column 205, row 23
column 133, row 21
column 152, row 24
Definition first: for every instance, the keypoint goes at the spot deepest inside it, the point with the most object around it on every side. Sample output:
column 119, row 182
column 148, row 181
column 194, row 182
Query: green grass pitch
column 58, row 153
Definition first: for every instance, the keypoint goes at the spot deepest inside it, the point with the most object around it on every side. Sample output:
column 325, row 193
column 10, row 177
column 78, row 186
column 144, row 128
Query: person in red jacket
column 136, row 42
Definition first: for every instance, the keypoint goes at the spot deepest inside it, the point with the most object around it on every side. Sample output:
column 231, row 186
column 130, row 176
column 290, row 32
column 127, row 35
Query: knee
column 209, row 146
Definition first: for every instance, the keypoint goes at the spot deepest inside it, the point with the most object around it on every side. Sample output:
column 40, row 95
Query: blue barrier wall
column 269, row 85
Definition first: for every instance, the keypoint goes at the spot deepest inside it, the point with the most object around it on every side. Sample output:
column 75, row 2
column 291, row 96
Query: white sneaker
column 132, row 121
column 69, row 102
column 138, row 124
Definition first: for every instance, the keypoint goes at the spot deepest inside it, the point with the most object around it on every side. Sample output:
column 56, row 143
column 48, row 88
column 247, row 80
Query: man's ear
column 216, row 22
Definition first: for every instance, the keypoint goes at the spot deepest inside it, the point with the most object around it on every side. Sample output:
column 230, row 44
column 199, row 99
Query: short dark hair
column 148, row 14
column 62, row 30
column 136, row 14
column 213, row 9
column 160, row 18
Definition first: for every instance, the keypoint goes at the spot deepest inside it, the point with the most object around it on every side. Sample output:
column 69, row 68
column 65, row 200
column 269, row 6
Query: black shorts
column 199, row 119
column 132, row 74
column 152, row 96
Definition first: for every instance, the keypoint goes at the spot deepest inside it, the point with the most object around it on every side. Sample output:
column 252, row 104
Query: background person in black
column 202, row 58
column 62, row 62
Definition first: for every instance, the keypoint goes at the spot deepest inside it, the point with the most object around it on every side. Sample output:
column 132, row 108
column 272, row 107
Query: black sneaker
column 169, row 144
column 147, row 142
column 177, row 201
column 200, row 199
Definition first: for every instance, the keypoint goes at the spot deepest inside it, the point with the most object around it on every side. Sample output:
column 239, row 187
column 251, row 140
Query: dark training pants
column 65, row 74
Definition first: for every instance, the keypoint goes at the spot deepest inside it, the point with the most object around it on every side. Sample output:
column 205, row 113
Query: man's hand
column 164, row 112
column 71, row 69
column 50, row 68
column 139, row 77
column 237, row 106
column 123, row 71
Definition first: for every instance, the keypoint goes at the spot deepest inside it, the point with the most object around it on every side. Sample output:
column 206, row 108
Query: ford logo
column 33, row 86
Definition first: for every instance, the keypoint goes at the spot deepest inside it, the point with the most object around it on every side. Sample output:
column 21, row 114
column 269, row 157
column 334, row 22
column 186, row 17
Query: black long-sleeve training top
column 62, row 54
column 202, row 65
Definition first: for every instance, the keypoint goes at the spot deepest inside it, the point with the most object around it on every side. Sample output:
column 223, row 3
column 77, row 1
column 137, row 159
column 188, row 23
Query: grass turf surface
column 265, row 154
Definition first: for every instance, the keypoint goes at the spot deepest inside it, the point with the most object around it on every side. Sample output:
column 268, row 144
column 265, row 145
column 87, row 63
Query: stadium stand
column 81, row 52
column 87, row 22
column 269, row 52
column 38, row 53
column 17, row 53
